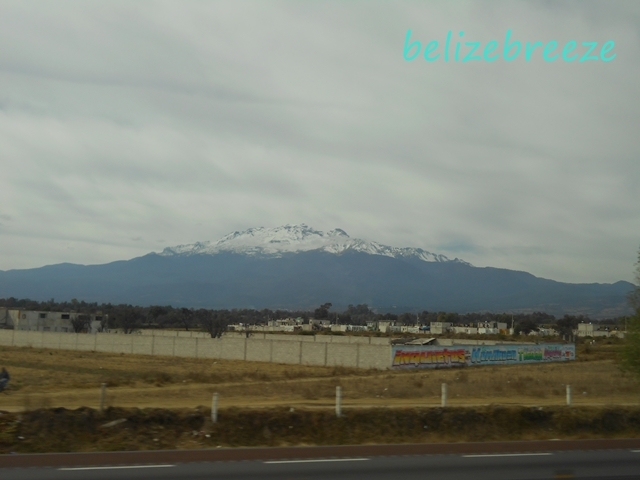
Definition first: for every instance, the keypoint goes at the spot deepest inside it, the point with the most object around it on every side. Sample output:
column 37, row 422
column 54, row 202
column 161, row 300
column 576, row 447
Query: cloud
column 121, row 123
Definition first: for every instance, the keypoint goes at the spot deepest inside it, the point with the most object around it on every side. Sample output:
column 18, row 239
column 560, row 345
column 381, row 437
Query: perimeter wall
column 322, row 350
column 347, row 351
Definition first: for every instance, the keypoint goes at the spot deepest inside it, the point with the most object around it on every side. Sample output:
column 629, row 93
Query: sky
column 127, row 127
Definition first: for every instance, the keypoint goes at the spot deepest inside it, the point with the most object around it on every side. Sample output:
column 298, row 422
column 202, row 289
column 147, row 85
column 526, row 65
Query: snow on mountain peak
column 274, row 242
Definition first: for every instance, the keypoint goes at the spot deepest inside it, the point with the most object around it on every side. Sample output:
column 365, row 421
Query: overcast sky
column 126, row 127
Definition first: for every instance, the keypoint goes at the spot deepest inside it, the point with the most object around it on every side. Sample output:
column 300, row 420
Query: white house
column 439, row 328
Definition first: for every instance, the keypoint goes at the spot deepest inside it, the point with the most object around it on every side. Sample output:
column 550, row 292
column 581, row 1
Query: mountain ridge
column 294, row 238
column 301, row 268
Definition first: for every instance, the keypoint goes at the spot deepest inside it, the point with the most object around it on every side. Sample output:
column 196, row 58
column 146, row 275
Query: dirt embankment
column 85, row 429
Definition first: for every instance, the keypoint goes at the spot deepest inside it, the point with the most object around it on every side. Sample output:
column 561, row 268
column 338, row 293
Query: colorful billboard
column 433, row 356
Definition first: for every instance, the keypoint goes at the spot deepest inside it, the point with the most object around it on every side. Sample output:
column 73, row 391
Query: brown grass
column 56, row 378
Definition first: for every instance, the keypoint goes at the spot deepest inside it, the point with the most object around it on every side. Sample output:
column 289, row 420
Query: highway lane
column 601, row 464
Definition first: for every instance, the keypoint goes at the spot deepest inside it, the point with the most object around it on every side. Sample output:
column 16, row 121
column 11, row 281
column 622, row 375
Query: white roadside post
column 103, row 394
column 569, row 395
column 338, row 401
column 443, row 399
column 214, row 408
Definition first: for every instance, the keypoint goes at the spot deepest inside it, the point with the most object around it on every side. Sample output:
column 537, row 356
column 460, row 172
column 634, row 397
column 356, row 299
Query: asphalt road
column 580, row 464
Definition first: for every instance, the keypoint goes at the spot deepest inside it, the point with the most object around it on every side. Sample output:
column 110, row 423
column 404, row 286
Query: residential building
column 48, row 321
column 439, row 328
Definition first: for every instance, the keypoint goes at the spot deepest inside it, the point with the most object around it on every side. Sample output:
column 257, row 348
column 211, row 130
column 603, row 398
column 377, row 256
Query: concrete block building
column 30, row 320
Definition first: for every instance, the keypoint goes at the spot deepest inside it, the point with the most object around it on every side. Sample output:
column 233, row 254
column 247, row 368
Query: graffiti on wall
column 433, row 357
column 407, row 356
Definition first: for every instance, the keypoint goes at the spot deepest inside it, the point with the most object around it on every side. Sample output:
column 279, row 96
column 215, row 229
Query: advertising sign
column 431, row 356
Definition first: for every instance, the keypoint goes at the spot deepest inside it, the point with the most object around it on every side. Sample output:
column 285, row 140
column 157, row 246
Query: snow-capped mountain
column 274, row 242
column 297, row 267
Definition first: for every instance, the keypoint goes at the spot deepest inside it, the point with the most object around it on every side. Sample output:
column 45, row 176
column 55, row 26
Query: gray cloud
column 121, row 123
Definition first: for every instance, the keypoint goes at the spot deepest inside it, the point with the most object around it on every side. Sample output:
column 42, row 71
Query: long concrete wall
column 270, row 336
column 290, row 349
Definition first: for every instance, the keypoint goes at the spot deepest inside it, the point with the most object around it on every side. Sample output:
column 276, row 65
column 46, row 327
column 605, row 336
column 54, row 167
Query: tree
column 80, row 322
column 407, row 318
column 634, row 295
column 322, row 312
column 450, row 317
column 128, row 318
column 567, row 324
column 155, row 313
column 213, row 322
column 631, row 350
column 525, row 327
column 362, row 309
column 186, row 317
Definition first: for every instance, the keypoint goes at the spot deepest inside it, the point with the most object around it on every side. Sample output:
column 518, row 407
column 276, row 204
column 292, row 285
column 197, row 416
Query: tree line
column 130, row 317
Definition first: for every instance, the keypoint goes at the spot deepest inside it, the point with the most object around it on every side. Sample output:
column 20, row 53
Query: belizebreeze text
column 473, row 51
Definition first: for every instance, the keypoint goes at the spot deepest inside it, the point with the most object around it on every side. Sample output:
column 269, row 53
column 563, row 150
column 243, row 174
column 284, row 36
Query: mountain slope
column 297, row 267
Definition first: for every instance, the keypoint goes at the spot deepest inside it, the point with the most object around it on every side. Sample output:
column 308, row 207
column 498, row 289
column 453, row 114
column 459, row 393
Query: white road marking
column 319, row 460
column 635, row 451
column 507, row 455
column 116, row 467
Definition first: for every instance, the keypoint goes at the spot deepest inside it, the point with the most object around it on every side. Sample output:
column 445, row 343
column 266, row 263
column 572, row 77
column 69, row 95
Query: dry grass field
column 58, row 378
